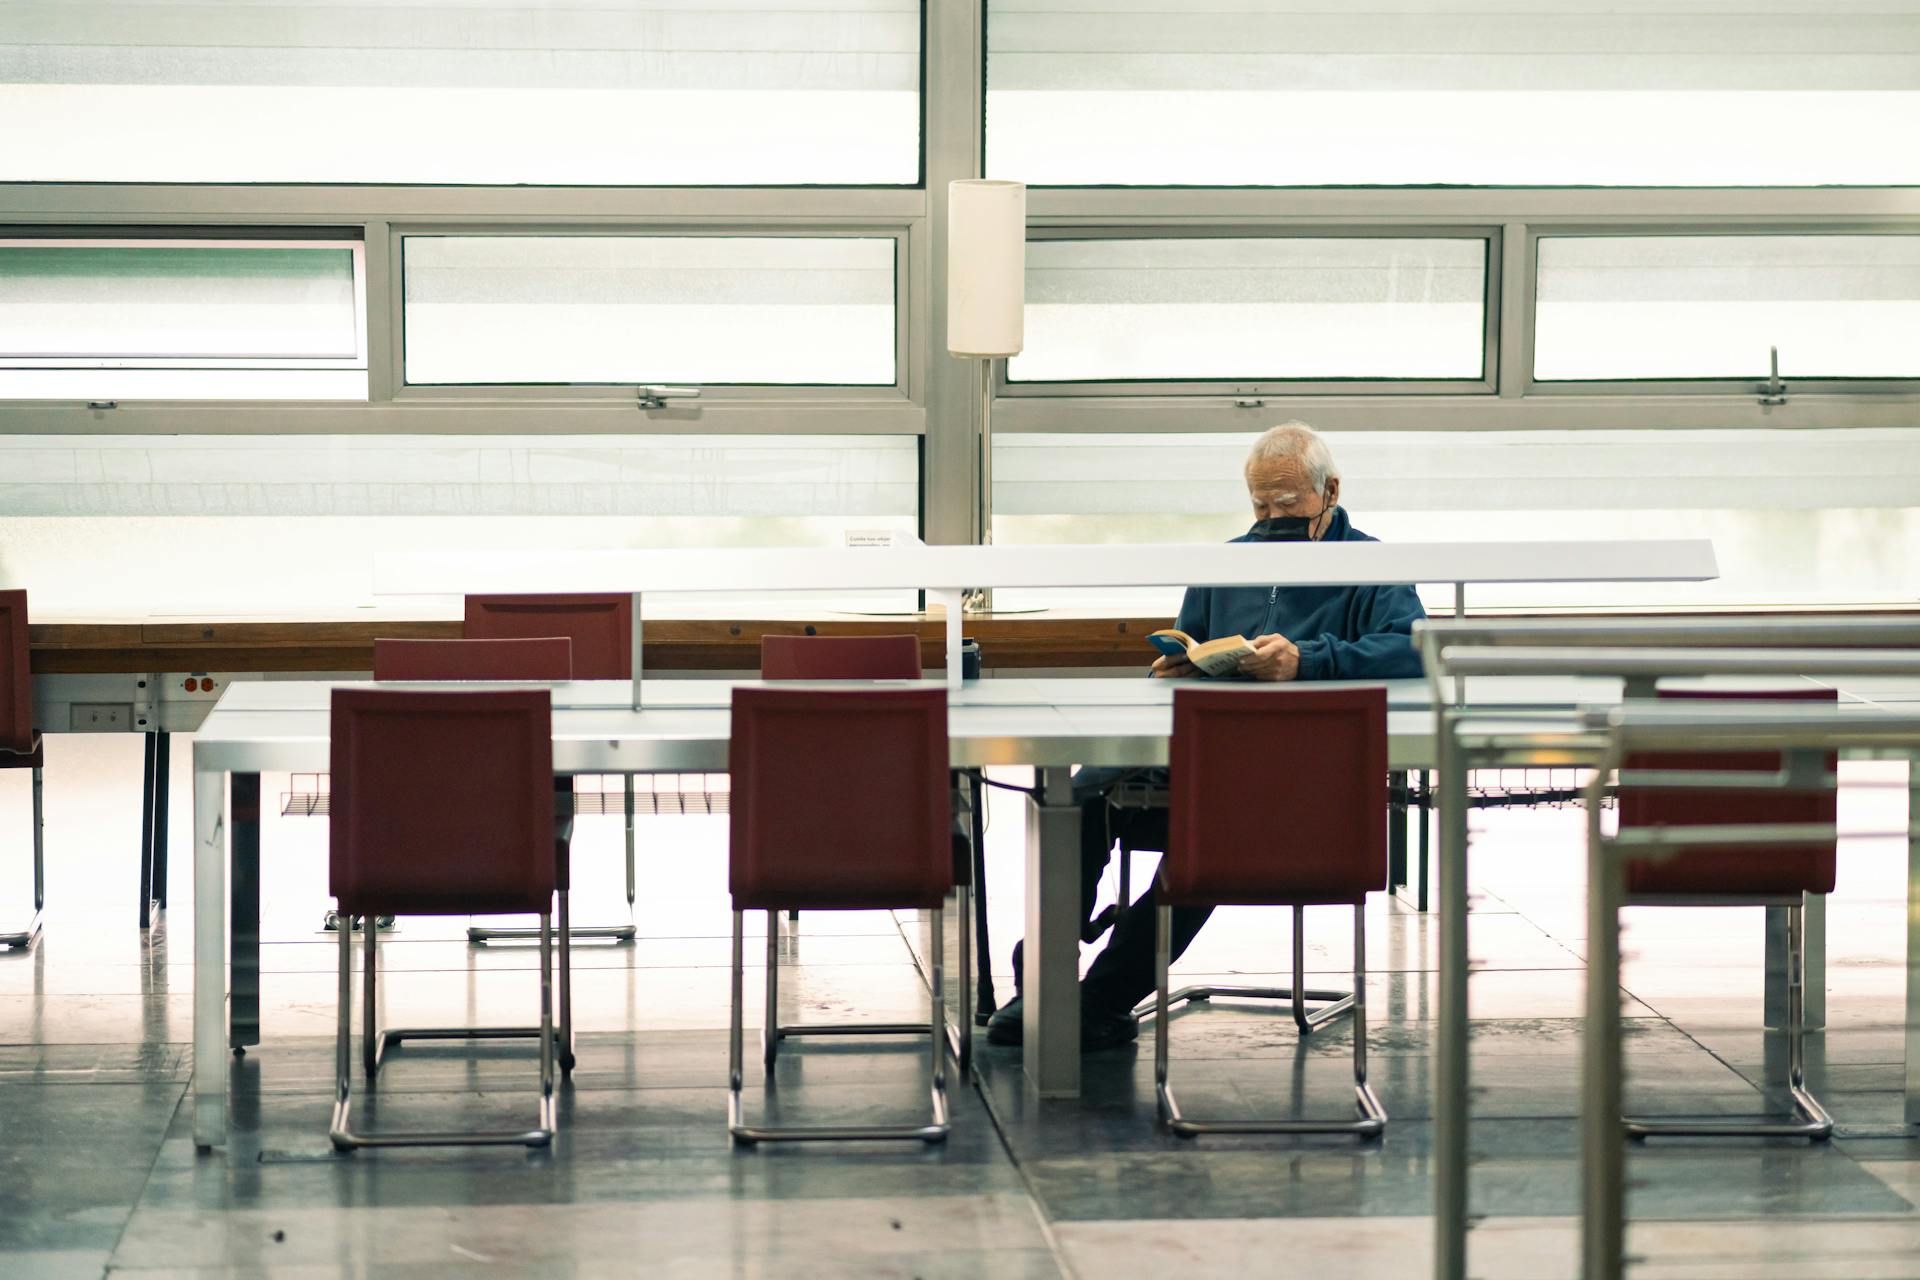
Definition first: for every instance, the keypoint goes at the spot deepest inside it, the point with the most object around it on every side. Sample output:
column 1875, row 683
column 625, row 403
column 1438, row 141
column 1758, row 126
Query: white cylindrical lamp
column 986, row 268
column 986, row 304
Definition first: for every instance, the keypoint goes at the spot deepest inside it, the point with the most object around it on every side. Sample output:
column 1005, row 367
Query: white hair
column 1297, row 440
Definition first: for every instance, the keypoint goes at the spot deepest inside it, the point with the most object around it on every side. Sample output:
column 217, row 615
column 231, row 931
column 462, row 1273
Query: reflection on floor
column 97, row 1169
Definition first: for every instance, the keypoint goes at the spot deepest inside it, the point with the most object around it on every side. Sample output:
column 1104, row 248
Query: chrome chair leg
column 631, row 879
column 1333, row 1003
column 24, row 937
column 340, row 1131
column 1373, row 1118
column 1810, row 1119
column 770, row 1030
column 934, row 1029
column 963, row 1049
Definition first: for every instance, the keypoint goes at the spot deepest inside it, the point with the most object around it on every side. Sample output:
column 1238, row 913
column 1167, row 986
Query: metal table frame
column 1469, row 737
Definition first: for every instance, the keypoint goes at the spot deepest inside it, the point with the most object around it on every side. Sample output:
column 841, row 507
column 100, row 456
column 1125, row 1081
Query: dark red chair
column 601, row 629
column 600, row 626
column 895, row 657
column 541, row 658
column 1738, row 876
column 1278, row 798
column 442, row 804
column 839, row 803
column 20, row 745
column 840, row 658
column 537, row 658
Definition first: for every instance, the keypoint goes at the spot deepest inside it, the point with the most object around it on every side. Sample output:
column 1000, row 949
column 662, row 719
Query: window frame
column 1748, row 387
column 625, row 393
column 182, row 238
column 1258, row 389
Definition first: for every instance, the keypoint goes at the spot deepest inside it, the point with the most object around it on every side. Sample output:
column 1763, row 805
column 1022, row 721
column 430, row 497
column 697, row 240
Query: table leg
column 209, row 959
column 243, row 1009
column 1397, row 831
column 1451, row 1095
column 1912, row 1109
column 147, row 759
column 1051, row 955
column 162, row 781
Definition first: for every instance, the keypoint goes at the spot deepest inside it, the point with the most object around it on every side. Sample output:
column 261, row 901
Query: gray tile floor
column 98, row 1173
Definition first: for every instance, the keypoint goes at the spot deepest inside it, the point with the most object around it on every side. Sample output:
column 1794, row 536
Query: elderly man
column 1298, row 633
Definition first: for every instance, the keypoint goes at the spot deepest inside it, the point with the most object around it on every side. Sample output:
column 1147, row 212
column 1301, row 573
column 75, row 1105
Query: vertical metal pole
column 209, row 957
column 1813, row 968
column 770, row 1037
column 146, row 830
column 1911, row 1110
column 1459, row 613
column 1602, row 1141
column 937, row 988
column 369, row 989
column 39, row 844
column 1397, row 831
column 1451, row 1097
column 631, row 880
column 1051, row 955
column 635, row 655
column 162, row 782
column 243, row 1002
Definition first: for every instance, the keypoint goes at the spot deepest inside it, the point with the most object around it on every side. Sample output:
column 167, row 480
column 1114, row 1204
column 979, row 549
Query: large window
column 627, row 309
column 1712, row 306
column 1254, row 310
column 100, row 319
column 1524, row 92
column 179, row 524
column 680, row 92
column 1797, row 518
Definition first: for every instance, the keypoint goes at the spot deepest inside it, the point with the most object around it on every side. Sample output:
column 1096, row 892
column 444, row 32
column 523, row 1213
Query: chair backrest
column 1741, row 872
column 840, row 658
column 442, row 803
column 1278, row 796
column 839, row 799
column 539, row 658
column 600, row 626
column 16, row 677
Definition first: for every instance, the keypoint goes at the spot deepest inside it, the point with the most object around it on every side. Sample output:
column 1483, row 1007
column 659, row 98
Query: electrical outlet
column 102, row 717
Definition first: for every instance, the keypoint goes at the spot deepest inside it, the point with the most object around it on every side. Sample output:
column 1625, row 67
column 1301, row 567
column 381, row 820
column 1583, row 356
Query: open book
column 1215, row 658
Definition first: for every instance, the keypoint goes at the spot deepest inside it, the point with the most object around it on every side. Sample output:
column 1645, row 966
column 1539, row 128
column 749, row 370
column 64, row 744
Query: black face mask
column 1284, row 529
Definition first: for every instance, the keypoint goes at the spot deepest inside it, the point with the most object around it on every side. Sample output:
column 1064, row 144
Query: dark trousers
column 1121, row 976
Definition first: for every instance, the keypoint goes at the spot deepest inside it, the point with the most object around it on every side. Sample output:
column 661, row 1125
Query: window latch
column 1773, row 391
column 654, row 397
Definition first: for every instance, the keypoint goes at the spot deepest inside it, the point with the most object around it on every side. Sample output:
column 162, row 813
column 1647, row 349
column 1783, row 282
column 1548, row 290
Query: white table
column 946, row 572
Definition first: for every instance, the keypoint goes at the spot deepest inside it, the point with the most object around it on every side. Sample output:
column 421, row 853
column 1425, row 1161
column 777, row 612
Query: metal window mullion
column 380, row 311
column 1518, row 284
column 954, row 113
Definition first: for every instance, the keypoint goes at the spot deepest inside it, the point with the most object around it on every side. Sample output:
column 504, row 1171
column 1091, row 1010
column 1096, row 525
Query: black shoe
column 1099, row 1028
column 1008, row 1024
column 1106, row 1028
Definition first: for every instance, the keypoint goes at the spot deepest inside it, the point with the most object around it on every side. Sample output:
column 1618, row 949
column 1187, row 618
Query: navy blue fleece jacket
column 1343, row 633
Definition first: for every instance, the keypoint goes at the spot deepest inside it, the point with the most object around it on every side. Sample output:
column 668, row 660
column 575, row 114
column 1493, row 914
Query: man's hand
column 1274, row 657
column 1166, row 666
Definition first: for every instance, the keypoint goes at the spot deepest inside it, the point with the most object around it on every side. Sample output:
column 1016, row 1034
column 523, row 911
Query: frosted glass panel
column 624, row 309
column 1520, row 92
column 1849, row 534
column 112, row 318
column 1711, row 306
column 631, row 92
column 258, row 525
column 1256, row 309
